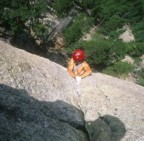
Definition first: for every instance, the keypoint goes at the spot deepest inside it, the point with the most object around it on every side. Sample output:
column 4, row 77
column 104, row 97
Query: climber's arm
column 87, row 70
column 70, row 69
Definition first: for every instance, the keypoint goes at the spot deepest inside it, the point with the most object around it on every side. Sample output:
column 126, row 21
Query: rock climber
column 77, row 67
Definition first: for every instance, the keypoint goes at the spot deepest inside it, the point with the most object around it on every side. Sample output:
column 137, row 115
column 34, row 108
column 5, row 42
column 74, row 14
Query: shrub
column 136, row 49
column 41, row 32
column 21, row 15
column 62, row 7
column 81, row 24
column 140, row 80
column 119, row 69
column 138, row 30
column 113, row 23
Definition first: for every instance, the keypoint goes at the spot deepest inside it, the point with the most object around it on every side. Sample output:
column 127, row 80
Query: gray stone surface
column 113, row 109
column 105, row 95
column 23, row 118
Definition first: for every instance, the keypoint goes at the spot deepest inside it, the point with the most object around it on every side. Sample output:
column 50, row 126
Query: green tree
column 21, row 15
column 140, row 79
column 119, row 69
column 62, row 7
column 81, row 25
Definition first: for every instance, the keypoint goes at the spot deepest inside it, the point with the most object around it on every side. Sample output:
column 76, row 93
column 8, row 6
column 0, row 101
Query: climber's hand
column 78, row 79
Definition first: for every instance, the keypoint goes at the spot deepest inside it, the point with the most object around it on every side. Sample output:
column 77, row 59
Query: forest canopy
column 18, row 15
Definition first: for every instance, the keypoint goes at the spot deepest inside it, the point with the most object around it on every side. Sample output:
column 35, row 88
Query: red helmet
column 78, row 55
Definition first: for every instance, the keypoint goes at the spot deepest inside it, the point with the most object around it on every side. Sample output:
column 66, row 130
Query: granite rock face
column 106, row 95
column 40, row 101
column 27, row 119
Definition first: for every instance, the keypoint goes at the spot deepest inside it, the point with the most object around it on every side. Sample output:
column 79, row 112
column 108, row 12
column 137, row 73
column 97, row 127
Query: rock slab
column 41, row 101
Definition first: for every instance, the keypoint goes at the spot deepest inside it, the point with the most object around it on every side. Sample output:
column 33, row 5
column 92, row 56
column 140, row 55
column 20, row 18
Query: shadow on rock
column 26, row 42
column 106, row 128
column 28, row 119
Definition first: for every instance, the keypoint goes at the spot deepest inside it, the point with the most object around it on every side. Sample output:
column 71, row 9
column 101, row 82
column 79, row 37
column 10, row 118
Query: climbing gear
column 78, row 55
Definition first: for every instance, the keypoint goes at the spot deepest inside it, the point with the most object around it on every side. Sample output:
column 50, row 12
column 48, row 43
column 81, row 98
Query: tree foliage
column 62, row 7
column 80, row 25
column 20, row 15
column 119, row 69
column 113, row 13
